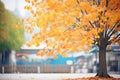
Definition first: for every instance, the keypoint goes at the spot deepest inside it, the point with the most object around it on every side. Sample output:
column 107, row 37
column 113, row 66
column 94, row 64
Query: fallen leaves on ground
column 93, row 78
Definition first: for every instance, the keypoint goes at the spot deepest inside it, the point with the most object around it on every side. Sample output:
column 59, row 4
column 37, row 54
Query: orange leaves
column 53, row 4
column 28, row 1
column 28, row 7
column 34, row 1
column 83, row 5
column 69, row 4
column 29, row 44
column 50, row 53
column 113, row 41
column 93, row 78
column 65, row 55
column 114, row 4
column 118, row 28
column 109, row 47
column 65, row 24
column 119, row 43
column 114, row 16
column 40, row 53
column 29, row 29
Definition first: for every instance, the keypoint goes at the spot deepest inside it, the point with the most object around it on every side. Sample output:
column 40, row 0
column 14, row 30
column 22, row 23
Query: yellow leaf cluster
column 65, row 24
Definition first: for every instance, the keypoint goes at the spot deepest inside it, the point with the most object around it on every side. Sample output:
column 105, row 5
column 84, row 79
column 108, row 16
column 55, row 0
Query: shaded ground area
column 52, row 76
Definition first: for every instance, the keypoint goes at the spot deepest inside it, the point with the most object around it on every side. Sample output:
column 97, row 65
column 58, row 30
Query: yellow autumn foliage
column 69, row 25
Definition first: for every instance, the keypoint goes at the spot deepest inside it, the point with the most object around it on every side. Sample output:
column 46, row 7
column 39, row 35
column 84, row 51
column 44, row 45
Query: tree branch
column 117, row 36
column 105, row 30
column 78, row 1
column 111, row 34
column 113, row 27
column 97, row 24
column 91, row 24
column 116, row 39
column 85, row 12
column 107, row 1
column 96, row 40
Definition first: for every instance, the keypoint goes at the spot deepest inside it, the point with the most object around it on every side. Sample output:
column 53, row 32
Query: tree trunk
column 5, row 60
column 9, row 61
column 5, row 57
column 102, row 67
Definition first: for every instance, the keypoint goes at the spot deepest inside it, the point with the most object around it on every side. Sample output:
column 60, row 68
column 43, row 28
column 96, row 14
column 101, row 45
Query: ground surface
column 50, row 76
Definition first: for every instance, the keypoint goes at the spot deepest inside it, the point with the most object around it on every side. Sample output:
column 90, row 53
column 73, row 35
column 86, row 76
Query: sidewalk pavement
column 48, row 76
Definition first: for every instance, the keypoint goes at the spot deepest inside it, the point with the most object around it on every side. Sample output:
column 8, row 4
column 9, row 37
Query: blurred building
column 112, row 57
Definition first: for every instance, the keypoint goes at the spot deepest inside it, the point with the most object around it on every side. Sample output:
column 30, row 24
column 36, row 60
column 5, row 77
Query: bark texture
column 102, row 67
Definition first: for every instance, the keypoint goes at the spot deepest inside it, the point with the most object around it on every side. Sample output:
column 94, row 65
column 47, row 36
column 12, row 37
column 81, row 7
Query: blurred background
column 25, row 60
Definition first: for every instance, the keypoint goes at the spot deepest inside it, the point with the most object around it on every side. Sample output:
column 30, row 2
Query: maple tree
column 73, row 25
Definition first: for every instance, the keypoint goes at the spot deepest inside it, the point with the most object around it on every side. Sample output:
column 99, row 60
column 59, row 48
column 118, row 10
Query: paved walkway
column 50, row 76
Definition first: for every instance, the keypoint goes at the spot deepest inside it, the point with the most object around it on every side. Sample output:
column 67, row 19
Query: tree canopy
column 11, row 30
column 73, row 25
